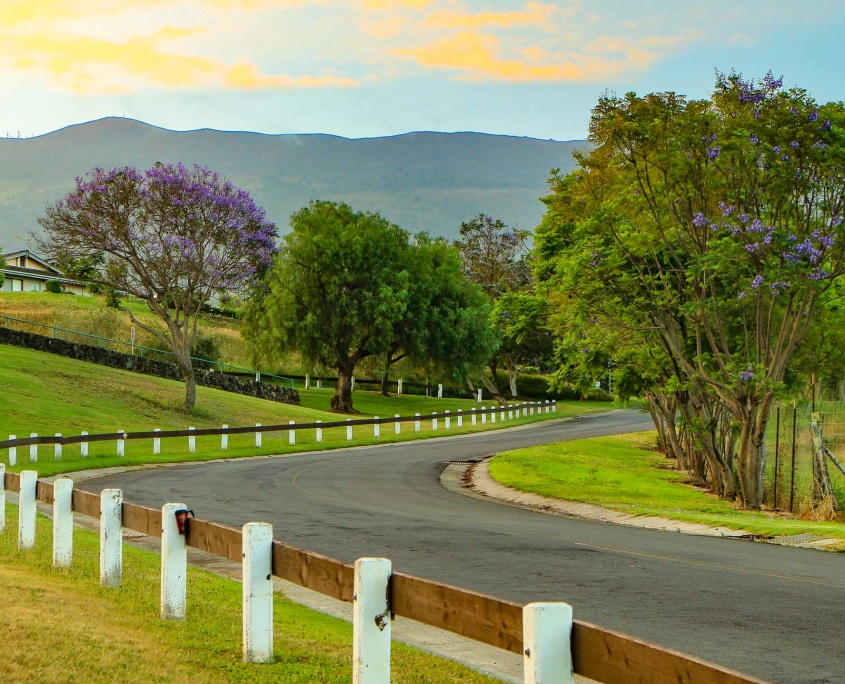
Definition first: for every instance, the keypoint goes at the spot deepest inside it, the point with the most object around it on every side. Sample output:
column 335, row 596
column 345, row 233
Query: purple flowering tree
column 706, row 234
column 496, row 257
column 172, row 236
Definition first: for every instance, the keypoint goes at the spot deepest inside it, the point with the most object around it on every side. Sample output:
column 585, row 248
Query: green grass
column 62, row 626
column 46, row 394
column 622, row 473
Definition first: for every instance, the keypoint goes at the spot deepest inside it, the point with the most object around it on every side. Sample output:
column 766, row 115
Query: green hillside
column 422, row 181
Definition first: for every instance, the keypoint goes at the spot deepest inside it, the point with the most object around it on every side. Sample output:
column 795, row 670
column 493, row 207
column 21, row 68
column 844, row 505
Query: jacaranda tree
column 712, row 229
column 172, row 236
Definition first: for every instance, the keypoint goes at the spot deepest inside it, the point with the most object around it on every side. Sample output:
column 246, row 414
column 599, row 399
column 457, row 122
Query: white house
column 26, row 272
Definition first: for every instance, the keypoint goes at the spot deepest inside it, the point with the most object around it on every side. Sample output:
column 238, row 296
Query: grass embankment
column 61, row 626
column 624, row 474
column 46, row 394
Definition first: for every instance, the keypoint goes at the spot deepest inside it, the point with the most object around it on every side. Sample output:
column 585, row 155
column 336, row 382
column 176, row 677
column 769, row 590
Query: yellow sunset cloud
column 474, row 56
column 534, row 13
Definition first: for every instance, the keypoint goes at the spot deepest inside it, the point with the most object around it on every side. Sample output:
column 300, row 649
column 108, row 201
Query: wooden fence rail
column 597, row 653
column 260, row 429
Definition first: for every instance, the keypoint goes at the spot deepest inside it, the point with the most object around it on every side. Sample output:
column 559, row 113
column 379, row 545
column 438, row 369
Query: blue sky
column 373, row 67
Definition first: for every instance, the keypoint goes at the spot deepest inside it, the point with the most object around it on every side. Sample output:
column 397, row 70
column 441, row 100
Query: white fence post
column 174, row 564
column 121, row 451
column 510, row 411
column 13, row 452
column 192, row 442
column 224, row 439
column 547, row 405
column 111, row 537
column 348, row 430
column 63, row 523
column 440, row 391
column 479, row 395
column 397, row 426
column 493, row 414
column 319, row 432
column 257, row 593
column 33, row 449
column 156, row 443
column 319, row 384
column 376, row 428
column 83, row 446
column 473, row 416
column 26, row 509
column 2, row 497
column 352, row 383
column 417, row 423
column 447, row 420
column 434, row 420
column 483, row 415
column 554, row 406
column 531, row 410
column 307, row 381
column 399, row 387
column 371, row 622
column 291, row 433
column 258, row 435
column 524, row 411
column 547, row 631
column 460, row 417
column 57, row 448
column 502, row 413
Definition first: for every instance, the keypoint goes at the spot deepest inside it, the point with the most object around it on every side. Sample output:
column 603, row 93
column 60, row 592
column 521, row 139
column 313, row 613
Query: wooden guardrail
column 260, row 429
column 597, row 653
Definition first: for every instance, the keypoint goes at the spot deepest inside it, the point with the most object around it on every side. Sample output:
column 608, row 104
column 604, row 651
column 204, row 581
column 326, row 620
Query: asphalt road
column 771, row 611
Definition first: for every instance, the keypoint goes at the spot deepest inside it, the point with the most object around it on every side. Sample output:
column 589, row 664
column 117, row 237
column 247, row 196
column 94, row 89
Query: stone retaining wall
column 138, row 364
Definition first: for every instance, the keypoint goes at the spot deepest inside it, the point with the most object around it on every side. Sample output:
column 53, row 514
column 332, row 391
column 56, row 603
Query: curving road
column 771, row 611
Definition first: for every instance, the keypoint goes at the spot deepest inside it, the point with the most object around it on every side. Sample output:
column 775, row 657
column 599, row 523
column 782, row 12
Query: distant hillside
column 422, row 181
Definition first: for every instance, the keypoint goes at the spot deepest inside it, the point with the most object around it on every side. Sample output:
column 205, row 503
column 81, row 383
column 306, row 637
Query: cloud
column 533, row 13
column 88, row 47
column 478, row 57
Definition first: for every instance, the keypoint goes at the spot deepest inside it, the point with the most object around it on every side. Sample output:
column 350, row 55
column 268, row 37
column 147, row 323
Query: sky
column 371, row 68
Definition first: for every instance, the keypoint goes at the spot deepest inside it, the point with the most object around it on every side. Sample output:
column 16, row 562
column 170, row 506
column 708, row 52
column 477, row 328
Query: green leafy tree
column 520, row 319
column 337, row 290
column 446, row 327
column 713, row 228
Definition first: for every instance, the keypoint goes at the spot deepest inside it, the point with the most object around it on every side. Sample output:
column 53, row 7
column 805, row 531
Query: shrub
column 53, row 286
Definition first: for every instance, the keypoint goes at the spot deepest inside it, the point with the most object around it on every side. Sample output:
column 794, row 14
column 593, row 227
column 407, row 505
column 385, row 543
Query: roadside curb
column 474, row 480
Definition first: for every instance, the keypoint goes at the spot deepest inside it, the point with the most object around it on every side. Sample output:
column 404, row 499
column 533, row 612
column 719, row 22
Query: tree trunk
column 342, row 399
column 384, row 385
column 513, row 374
column 184, row 362
column 751, row 451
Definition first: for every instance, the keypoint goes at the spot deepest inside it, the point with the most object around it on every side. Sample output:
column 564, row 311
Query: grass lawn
column 45, row 394
column 622, row 473
column 61, row 626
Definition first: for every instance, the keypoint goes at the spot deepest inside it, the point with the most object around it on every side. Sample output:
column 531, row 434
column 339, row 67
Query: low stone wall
column 161, row 369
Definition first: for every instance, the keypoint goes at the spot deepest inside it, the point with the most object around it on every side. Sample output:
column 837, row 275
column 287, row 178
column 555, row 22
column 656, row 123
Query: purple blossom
column 835, row 221
column 757, row 282
column 776, row 149
column 727, row 209
column 743, row 218
column 818, row 274
column 825, row 125
column 743, row 294
column 757, row 226
column 814, row 115
column 754, row 139
column 699, row 220
column 747, row 374
column 714, row 152
column 819, row 145
column 752, row 247
column 794, row 143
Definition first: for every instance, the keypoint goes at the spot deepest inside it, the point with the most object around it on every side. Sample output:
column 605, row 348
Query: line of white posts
column 547, row 627
column 120, row 435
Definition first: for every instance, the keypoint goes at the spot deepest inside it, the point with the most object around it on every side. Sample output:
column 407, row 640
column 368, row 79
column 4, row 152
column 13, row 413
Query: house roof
column 29, row 255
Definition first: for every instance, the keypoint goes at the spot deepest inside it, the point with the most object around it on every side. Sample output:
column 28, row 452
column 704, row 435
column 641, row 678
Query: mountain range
column 421, row 181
